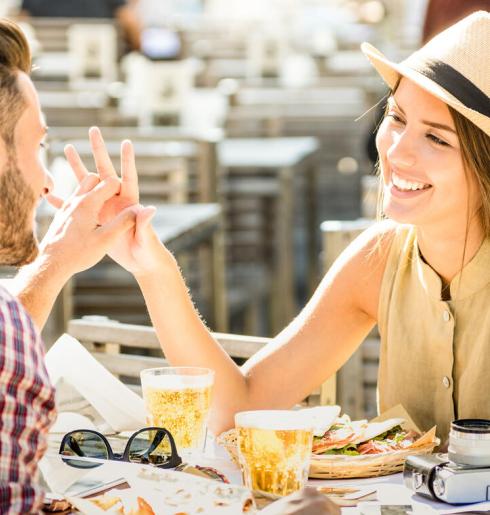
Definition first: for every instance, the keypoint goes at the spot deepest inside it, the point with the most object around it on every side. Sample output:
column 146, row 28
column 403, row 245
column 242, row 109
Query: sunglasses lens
column 151, row 447
column 84, row 444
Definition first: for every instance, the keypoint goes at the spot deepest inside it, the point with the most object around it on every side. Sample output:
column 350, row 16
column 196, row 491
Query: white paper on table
column 169, row 492
column 71, row 366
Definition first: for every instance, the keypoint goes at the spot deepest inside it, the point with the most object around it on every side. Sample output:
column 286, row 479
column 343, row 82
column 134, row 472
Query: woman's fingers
column 102, row 159
column 76, row 163
column 88, row 184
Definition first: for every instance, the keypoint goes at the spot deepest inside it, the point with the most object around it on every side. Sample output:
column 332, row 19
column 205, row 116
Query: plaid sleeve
column 27, row 408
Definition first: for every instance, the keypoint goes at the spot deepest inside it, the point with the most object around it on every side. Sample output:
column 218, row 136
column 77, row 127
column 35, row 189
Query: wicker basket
column 228, row 440
column 329, row 466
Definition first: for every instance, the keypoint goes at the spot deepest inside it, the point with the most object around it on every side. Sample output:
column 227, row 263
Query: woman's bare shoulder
column 372, row 246
column 365, row 261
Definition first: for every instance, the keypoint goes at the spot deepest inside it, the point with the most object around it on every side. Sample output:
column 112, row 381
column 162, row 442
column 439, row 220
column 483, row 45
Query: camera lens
column 469, row 442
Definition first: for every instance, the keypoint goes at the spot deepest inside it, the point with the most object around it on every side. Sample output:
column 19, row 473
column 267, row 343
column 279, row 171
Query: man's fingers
column 129, row 174
column 55, row 201
column 76, row 163
column 101, row 156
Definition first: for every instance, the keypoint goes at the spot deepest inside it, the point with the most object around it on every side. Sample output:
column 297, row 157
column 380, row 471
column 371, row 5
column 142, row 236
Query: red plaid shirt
column 27, row 408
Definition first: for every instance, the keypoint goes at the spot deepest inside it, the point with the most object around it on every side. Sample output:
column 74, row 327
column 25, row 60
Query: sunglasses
column 150, row 445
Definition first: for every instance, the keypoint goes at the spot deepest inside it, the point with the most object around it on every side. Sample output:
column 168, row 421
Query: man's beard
column 18, row 243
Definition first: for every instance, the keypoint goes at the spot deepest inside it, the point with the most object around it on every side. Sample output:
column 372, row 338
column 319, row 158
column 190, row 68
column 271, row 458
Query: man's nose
column 48, row 182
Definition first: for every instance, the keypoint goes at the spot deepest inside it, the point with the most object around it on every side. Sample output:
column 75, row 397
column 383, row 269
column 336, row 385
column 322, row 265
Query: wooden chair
column 155, row 89
column 93, row 53
column 162, row 166
column 162, row 146
column 354, row 386
column 125, row 349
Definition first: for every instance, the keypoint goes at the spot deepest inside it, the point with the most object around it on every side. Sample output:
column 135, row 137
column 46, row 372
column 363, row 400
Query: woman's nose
column 401, row 152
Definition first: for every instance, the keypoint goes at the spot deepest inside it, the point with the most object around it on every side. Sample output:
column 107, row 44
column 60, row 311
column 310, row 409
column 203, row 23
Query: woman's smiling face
column 424, row 181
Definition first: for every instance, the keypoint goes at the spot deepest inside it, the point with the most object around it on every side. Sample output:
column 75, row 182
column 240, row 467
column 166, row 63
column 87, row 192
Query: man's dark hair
column 15, row 56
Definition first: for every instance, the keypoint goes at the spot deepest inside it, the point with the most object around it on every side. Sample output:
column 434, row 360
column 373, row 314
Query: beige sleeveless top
column 435, row 355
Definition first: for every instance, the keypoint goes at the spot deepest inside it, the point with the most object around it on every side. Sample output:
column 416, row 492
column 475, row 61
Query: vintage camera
column 462, row 475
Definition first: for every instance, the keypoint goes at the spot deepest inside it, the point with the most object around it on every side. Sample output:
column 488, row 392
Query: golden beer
column 179, row 404
column 275, row 461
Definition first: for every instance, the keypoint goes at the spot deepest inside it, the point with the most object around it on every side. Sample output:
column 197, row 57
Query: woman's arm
column 314, row 346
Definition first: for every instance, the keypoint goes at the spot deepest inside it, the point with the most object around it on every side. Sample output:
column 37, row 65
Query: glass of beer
column 274, row 448
column 178, row 399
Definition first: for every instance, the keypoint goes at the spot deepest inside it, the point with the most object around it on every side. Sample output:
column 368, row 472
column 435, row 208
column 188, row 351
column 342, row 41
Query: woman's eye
column 395, row 117
column 437, row 140
column 44, row 145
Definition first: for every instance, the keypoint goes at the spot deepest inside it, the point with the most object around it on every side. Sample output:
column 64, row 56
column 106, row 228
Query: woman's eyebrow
column 439, row 126
column 391, row 100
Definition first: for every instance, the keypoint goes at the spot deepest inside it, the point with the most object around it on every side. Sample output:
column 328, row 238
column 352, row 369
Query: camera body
column 435, row 477
column 462, row 475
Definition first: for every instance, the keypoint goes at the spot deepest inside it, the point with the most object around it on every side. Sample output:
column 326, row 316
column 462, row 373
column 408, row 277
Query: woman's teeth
column 404, row 185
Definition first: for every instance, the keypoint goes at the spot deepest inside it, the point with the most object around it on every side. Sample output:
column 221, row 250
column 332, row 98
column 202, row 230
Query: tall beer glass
column 274, row 448
column 178, row 399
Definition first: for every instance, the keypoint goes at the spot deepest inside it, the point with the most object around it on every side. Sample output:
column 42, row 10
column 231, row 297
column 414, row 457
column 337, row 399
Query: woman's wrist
column 162, row 266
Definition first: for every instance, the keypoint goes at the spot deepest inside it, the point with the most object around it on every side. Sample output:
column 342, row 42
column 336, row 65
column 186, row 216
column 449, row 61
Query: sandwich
column 355, row 438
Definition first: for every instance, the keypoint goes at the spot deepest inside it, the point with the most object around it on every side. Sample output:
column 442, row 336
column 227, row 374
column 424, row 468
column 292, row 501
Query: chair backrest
column 93, row 53
column 155, row 88
column 126, row 349
column 266, row 53
column 161, row 153
column 162, row 166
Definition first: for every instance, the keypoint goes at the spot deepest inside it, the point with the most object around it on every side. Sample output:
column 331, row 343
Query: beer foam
column 282, row 420
column 176, row 382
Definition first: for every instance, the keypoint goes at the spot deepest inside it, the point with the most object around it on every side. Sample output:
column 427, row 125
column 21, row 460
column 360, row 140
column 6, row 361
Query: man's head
column 23, row 178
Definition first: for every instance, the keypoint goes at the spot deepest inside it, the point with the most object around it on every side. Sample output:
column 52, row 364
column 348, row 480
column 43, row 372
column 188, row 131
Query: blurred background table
column 281, row 172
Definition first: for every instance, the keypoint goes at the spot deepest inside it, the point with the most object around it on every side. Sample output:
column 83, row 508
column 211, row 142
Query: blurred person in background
column 123, row 11
column 441, row 14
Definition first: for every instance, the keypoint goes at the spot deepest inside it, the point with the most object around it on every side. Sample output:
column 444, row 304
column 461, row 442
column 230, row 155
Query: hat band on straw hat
column 453, row 82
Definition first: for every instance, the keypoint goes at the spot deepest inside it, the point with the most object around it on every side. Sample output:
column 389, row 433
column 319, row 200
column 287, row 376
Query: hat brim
column 391, row 72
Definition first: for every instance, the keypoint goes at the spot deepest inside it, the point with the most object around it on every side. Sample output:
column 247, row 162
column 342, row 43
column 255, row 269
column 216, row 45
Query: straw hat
column 453, row 66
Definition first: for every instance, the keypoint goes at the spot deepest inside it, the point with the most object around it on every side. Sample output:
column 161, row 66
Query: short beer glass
column 178, row 399
column 274, row 448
